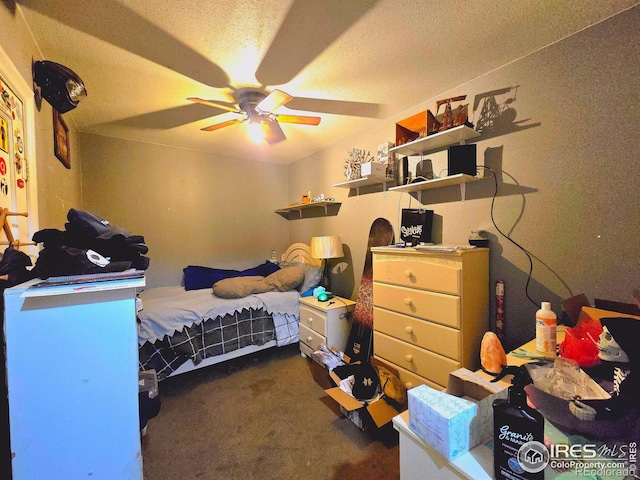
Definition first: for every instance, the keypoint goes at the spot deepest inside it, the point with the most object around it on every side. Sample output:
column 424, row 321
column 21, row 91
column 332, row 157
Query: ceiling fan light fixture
column 256, row 110
column 256, row 132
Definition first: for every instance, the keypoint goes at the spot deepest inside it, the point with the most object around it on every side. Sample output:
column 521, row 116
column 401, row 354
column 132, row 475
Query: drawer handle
column 309, row 339
column 408, row 358
column 409, row 330
column 408, row 385
column 408, row 273
column 407, row 301
column 310, row 321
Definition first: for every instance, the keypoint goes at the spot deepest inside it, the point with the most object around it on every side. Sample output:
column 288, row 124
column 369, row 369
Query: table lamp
column 324, row 248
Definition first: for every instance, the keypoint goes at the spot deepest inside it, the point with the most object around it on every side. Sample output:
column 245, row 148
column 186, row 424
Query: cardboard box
column 373, row 416
column 373, row 168
column 441, row 419
column 320, row 374
column 411, row 128
column 473, row 387
column 319, row 368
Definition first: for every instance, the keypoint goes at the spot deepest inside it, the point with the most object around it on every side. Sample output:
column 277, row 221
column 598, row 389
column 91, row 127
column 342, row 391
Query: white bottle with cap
column 546, row 322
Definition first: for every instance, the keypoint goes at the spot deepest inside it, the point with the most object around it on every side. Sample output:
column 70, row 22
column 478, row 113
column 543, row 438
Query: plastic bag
column 564, row 379
column 580, row 342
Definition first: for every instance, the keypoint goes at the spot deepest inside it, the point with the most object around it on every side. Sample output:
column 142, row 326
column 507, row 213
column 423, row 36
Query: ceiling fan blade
column 315, row 24
column 273, row 101
column 209, row 103
column 272, row 131
column 137, row 35
column 299, row 119
column 218, row 126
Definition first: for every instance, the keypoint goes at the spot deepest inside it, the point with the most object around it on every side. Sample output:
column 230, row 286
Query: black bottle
column 516, row 424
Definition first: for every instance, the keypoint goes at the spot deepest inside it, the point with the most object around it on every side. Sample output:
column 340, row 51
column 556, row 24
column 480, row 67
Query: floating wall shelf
column 365, row 182
column 299, row 208
column 459, row 179
column 437, row 141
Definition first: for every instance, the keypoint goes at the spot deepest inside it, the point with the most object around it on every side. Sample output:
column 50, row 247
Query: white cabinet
column 72, row 376
column 324, row 323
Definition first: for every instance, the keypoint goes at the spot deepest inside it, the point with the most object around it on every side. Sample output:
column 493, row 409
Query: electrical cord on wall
column 526, row 252
column 495, row 194
column 347, row 314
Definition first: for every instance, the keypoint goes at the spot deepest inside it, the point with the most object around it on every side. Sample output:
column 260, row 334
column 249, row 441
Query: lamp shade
column 326, row 247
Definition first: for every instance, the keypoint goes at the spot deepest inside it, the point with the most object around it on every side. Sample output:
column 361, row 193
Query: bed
column 181, row 330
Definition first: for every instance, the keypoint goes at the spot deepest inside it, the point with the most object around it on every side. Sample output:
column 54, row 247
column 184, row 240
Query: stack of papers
column 441, row 247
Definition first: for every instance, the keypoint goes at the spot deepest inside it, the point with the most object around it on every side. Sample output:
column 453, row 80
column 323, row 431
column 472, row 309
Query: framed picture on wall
column 61, row 139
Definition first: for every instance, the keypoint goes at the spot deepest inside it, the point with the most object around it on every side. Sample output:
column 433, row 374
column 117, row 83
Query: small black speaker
column 462, row 159
column 402, row 174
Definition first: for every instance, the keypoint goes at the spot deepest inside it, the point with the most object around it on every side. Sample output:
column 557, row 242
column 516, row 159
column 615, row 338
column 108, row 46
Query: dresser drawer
column 409, row 379
column 422, row 333
column 414, row 359
column 418, row 274
column 312, row 319
column 310, row 338
column 437, row 307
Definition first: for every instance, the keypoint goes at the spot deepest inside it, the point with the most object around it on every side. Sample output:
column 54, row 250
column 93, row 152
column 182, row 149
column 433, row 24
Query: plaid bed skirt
column 213, row 336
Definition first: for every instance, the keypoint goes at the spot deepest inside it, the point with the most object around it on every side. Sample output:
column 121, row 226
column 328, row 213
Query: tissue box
column 441, row 420
column 473, row 387
column 373, row 168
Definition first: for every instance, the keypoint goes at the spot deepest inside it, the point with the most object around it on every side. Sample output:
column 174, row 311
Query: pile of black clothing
column 13, row 267
column 88, row 245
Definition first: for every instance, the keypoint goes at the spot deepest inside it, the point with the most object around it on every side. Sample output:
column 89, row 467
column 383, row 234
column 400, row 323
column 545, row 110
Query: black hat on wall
column 58, row 85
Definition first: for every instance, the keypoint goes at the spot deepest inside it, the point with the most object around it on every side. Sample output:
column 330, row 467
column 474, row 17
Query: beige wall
column 192, row 208
column 567, row 171
column 58, row 188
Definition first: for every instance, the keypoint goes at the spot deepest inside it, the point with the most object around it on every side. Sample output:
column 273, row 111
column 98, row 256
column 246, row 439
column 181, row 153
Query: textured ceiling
column 352, row 62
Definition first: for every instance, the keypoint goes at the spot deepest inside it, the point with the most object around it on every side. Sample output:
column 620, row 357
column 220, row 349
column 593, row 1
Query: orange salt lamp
column 492, row 356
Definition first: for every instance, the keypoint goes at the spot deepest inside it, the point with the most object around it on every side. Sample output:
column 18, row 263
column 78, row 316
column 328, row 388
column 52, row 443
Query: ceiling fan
column 257, row 109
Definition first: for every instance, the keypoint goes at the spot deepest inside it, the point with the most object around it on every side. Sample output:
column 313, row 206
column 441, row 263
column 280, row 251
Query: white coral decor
column 352, row 164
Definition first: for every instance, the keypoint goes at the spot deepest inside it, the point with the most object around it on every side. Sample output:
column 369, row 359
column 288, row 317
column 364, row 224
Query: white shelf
column 437, row 141
column 299, row 207
column 460, row 179
column 365, row 182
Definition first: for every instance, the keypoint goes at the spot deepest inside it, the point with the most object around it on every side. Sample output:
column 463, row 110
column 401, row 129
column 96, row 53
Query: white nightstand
column 324, row 323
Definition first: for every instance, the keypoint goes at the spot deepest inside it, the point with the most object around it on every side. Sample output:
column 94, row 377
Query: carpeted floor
column 260, row 417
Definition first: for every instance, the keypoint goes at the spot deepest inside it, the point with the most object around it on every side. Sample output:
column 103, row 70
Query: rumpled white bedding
column 166, row 310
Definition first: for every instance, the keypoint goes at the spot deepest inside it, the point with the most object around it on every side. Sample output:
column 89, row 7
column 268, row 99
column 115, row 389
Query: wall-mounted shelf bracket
column 299, row 208
column 418, row 187
column 365, row 182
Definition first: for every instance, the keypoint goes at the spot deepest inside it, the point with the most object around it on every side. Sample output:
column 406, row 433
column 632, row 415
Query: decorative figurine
column 449, row 119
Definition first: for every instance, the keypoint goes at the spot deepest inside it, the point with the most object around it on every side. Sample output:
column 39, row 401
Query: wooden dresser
column 431, row 310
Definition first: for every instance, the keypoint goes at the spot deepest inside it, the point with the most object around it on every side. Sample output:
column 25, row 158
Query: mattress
column 175, row 325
